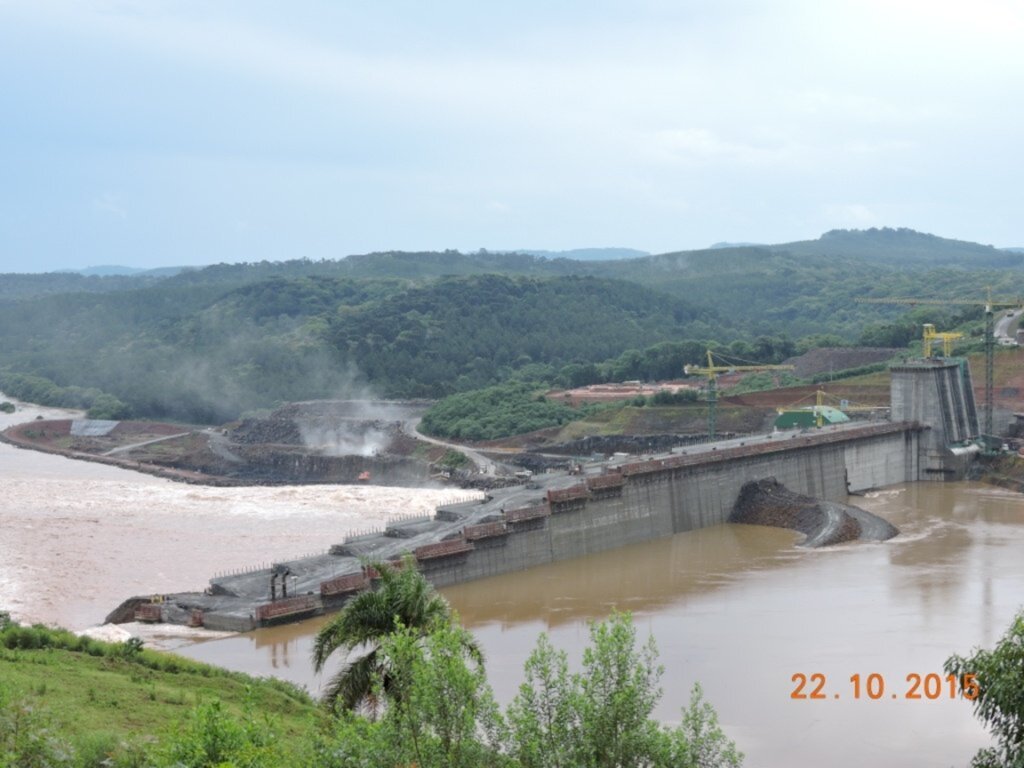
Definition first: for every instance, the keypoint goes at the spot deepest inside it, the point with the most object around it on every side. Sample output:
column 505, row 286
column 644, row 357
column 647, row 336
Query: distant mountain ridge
column 586, row 254
column 903, row 248
column 108, row 270
column 717, row 246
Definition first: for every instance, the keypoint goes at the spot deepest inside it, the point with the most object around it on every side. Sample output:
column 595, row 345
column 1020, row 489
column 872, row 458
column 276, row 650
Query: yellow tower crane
column 990, row 343
column 711, row 371
column 930, row 336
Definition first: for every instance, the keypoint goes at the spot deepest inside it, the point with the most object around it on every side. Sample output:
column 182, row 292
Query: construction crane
column 930, row 336
column 820, row 405
column 990, row 342
column 711, row 371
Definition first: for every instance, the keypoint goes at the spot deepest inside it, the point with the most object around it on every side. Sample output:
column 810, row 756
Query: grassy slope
column 85, row 695
column 650, row 420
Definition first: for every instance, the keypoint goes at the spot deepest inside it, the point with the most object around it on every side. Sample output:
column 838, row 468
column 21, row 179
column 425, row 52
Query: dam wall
column 638, row 502
column 563, row 516
column 875, row 462
column 556, row 517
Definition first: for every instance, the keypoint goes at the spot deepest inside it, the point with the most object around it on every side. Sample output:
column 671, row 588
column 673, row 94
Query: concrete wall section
column 527, row 546
column 881, row 461
column 608, row 523
column 705, row 495
column 650, row 506
column 936, row 393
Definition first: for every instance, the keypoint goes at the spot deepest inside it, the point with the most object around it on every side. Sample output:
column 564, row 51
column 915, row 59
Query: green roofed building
column 811, row 416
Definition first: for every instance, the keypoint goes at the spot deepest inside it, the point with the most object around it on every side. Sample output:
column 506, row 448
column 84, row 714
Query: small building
column 811, row 416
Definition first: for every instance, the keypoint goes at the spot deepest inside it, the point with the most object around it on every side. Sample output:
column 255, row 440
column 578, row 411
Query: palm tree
column 403, row 597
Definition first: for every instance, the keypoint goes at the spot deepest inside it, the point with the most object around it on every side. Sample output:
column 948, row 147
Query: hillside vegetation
column 206, row 345
column 195, row 353
column 71, row 701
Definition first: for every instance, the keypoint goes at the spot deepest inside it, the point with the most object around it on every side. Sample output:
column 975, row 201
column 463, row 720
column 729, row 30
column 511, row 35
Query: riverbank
column 323, row 442
column 17, row 436
column 1004, row 471
column 78, row 537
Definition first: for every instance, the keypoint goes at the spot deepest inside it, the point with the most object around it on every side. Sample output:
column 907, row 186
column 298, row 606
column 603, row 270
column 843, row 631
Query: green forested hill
column 195, row 352
column 812, row 287
column 906, row 249
column 18, row 286
column 462, row 333
column 210, row 343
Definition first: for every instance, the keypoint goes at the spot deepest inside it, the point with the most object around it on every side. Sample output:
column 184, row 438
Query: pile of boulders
column 768, row 502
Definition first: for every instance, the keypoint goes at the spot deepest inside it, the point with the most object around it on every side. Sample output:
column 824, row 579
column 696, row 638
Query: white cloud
column 678, row 123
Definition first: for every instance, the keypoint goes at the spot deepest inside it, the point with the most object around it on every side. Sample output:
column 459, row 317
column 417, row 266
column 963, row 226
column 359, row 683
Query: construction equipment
column 835, row 413
column 711, row 371
column 797, row 415
column 930, row 336
column 990, row 343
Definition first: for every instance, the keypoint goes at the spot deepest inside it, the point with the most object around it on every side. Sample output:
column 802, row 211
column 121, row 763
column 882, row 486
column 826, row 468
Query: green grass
column 674, row 419
column 102, row 688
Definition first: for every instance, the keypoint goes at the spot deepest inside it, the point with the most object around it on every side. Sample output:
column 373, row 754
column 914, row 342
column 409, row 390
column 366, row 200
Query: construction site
column 796, row 478
column 787, row 457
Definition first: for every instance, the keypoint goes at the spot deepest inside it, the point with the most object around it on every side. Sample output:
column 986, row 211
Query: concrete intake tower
column 938, row 393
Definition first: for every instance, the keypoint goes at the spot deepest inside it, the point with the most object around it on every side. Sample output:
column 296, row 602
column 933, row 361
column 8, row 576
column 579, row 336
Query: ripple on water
column 79, row 541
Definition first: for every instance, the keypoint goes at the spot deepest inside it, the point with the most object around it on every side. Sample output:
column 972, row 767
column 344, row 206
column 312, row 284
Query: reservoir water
column 741, row 609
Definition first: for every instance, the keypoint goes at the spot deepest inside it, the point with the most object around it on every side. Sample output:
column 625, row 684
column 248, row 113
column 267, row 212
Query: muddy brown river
column 741, row 609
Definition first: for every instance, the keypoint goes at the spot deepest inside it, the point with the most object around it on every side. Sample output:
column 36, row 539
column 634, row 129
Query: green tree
column 440, row 712
column 888, row 334
column 999, row 703
column 601, row 717
column 108, row 407
column 404, row 598
column 544, row 716
column 619, row 688
column 699, row 742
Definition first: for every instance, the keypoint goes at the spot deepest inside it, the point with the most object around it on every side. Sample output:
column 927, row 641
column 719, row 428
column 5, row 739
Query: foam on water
column 79, row 537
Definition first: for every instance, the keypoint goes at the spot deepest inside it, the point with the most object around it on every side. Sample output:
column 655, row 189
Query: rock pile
column 768, row 502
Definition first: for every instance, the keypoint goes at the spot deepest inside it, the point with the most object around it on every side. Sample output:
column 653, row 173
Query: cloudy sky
column 152, row 132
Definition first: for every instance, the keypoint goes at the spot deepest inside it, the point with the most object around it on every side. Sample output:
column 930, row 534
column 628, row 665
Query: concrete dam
column 607, row 505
